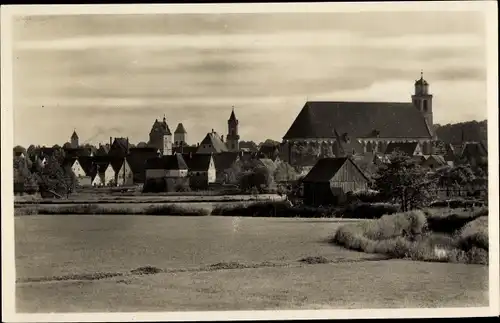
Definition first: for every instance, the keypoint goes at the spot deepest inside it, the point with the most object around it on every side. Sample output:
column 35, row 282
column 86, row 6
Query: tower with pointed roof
column 232, row 138
column 180, row 136
column 74, row 139
column 160, row 137
column 422, row 100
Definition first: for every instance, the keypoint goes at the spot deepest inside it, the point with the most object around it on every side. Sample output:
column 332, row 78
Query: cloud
column 115, row 71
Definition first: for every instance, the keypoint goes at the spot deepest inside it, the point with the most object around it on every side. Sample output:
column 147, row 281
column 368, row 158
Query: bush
column 456, row 203
column 273, row 209
column 450, row 223
column 172, row 209
column 406, row 235
column 369, row 210
column 92, row 209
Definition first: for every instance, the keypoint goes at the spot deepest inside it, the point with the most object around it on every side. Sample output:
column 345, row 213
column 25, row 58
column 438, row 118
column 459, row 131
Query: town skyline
column 115, row 75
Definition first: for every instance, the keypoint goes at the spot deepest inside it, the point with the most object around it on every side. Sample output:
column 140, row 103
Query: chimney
column 110, row 141
column 222, row 138
column 212, row 130
column 197, row 144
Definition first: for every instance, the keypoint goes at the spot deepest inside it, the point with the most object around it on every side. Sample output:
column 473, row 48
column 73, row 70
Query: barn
column 330, row 179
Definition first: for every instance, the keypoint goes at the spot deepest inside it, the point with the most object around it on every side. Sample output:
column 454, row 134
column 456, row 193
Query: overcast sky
column 113, row 75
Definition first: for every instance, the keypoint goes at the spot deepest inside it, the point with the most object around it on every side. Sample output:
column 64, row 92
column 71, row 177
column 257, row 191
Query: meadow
column 98, row 263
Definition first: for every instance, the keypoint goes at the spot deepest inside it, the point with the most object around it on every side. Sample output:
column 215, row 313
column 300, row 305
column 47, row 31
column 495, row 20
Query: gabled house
column 81, row 176
column 166, row 173
column 137, row 160
column 223, row 162
column 212, row 144
column 475, row 153
column 123, row 173
column 201, row 170
column 433, row 161
column 166, row 166
column 331, row 179
column 119, row 148
column 103, row 169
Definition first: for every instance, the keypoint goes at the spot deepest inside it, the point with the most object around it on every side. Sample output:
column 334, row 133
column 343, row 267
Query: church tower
column 180, row 136
column 232, row 138
column 422, row 100
column 160, row 137
column 74, row 140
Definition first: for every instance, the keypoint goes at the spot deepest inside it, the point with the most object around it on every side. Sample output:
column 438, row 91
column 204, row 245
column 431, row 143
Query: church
column 372, row 125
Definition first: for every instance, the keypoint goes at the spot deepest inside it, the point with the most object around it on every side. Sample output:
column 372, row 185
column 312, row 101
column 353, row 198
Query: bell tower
column 232, row 138
column 422, row 100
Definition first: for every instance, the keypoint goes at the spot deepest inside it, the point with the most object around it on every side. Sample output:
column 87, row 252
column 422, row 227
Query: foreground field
column 202, row 260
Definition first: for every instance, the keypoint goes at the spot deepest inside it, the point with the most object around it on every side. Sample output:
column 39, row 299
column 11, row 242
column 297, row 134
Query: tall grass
column 92, row 209
column 407, row 235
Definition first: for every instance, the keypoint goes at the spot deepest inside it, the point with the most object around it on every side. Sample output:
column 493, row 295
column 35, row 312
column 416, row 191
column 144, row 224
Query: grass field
column 219, row 263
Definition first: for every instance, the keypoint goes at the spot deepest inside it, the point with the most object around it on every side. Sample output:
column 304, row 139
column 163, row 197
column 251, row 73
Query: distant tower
column 423, row 101
column 180, row 136
column 74, row 140
column 160, row 137
column 232, row 138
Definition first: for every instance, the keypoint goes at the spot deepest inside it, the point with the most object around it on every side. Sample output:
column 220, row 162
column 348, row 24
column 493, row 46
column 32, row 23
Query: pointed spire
column 74, row 135
column 233, row 116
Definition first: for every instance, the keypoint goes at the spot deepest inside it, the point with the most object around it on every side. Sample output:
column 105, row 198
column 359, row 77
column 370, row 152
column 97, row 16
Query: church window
column 425, row 106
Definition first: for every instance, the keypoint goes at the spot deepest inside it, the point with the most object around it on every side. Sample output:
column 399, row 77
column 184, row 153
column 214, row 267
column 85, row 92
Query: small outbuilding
column 328, row 182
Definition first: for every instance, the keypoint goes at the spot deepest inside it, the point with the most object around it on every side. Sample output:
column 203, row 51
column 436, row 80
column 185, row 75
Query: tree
column 284, row 173
column 403, row 181
column 57, row 178
column 30, row 151
column 270, row 142
column 455, row 177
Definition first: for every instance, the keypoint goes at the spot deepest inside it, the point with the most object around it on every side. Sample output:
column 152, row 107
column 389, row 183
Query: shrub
column 369, row 210
column 273, row 209
column 456, row 203
column 404, row 235
column 439, row 221
column 172, row 209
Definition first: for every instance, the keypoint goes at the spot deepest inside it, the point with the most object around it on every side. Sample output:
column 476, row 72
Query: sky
column 113, row 75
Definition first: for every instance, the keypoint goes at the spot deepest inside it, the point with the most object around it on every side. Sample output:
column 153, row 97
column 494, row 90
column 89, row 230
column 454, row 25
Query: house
column 103, row 150
column 374, row 125
column 224, row 161
column 166, row 173
column 166, row 166
column 330, row 179
column 475, row 153
column 123, row 173
column 406, row 148
column 103, row 169
column 82, row 179
column 119, row 147
column 212, row 144
column 433, row 162
column 201, row 171
column 137, row 160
